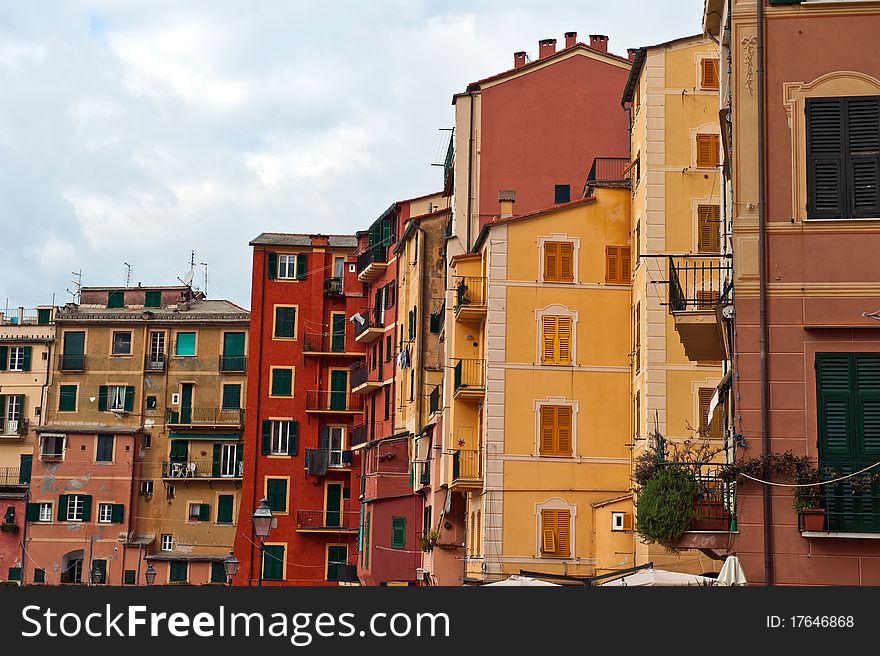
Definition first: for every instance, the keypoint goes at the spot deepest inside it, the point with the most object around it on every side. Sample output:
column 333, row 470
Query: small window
column 276, row 494
column 185, row 344
column 231, row 396
column 75, row 508
column 556, row 426
column 104, row 452
column 153, row 299
column 556, row 333
column 280, row 438
column 116, row 398
column 17, row 358
column 707, row 151
column 199, row 512
column 555, row 533
column 292, row 267
column 45, row 512
column 398, row 532
column 708, row 429
column 151, row 402
column 67, row 398
column 617, row 265
column 167, row 542
column 105, row 513
column 709, row 73
column 121, row 343
column 218, row 573
column 129, row 577
column 51, row 447
column 177, row 571
column 39, row 576
column 282, row 382
column 285, row 323
column 116, row 299
column 562, row 194
column 709, row 228
column 147, row 488
column 225, row 506
column 147, row 441
column 559, row 261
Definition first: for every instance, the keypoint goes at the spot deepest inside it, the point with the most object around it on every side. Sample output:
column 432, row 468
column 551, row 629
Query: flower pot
column 812, row 519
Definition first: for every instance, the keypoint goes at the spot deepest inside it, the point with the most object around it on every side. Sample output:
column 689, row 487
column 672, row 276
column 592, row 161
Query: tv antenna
column 188, row 276
column 127, row 274
column 205, row 264
column 77, row 286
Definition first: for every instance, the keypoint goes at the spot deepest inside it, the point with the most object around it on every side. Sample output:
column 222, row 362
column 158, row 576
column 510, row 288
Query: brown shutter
column 566, row 261
column 709, row 228
column 707, row 150
column 563, row 332
column 548, row 339
column 712, row 429
column 563, row 430
column 563, row 533
column 709, row 76
column 625, row 264
column 551, row 260
column 548, row 427
column 548, row 531
column 612, row 264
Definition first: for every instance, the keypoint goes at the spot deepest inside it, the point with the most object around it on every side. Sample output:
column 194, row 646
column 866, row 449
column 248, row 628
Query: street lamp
column 150, row 574
column 264, row 522
column 231, row 567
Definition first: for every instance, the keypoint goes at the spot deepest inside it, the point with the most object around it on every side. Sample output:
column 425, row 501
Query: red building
column 297, row 444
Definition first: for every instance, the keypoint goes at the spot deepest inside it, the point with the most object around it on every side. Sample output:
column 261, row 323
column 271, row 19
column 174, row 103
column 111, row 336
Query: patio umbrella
column 732, row 572
column 660, row 577
column 523, row 581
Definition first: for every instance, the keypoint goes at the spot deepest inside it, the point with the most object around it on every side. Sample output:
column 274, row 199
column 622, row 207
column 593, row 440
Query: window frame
column 558, row 240
column 170, row 542
column 13, row 360
column 102, row 507
column 195, row 346
column 275, row 322
column 113, row 343
column 98, row 449
column 75, row 510
column 45, row 517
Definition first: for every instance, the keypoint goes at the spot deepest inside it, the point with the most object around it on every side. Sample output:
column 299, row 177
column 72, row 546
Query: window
column 231, row 397
column 104, row 451
column 273, row 562
column 843, row 157
column 276, row 493
column 153, row 299
column 218, row 573
column 78, row 507
column 45, row 512
column 562, row 194
column 121, row 343
column 337, row 554
column 708, row 429
column 280, row 437
column 282, row 382
column 707, row 151
column 225, row 504
column 185, row 344
column 389, row 349
column 556, row 340
column 67, row 398
column 39, row 576
column 116, row 398
column 129, row 577
column 556, row 426
column 147, row 488
column 290, row 267
column 177, row 571
column 199, row 512
column 52, row 447
column 285, row 322
column 14, row 574
column 398, row 532
column 555, row 533
column 637, row 337
column 11, row 406
column 709, row 73
column 617, row 265
column 709, row 228
column 559, row 261
column 17, row 359
column 147, row 441
column 116, row 299
column 105, row 513
column 167, row 542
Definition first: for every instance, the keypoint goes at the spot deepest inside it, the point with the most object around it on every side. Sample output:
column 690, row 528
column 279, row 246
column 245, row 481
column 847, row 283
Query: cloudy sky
column 136, row 130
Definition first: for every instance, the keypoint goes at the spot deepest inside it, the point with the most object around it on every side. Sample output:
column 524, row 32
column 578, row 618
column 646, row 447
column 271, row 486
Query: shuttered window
column 709, row 73
column 177, row 571
column 67, row 398
column 556, row 340
column 707, row 150
column 707, row 429
column 273, row 562
column 285, row 322
column 709, row 228
column 555, row 438
column 843, row 157
column 617, row 264
column 559, row 261
column 398, row 532
column 282, row 382
column 556, row 533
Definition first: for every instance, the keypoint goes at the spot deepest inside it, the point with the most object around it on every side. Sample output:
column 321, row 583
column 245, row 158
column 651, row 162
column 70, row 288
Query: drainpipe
column 762, row 291
column 258, row 424
column 470, row 170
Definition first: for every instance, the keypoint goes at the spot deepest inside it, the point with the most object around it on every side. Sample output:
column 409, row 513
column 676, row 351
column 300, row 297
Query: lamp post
column 150, row 574
column 231, row 567
column 264, row 522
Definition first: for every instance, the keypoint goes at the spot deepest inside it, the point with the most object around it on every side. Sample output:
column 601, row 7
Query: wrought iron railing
column 696, row 284
column 336, row 458
column 333, row 286
column 17, row 427
column 202, row 469
column 469, row 374
column 324, row 343
column 609, row 170
column 329, row 400
column 377, row 253
column 13, row 476
column 362, row 373
column 372, row 319
column 155, row 362
column 186, row 416
column 327, row 519
column 467, row 465
column 233, row 363
column 358, row 433
column 714, row 499
column 843, row 507
column 469, row 291
column 72, row 362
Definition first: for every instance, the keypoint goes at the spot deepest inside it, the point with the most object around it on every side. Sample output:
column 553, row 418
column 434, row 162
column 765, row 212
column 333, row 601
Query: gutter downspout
column 762, row 292
column 470, row 170
column 257, row 434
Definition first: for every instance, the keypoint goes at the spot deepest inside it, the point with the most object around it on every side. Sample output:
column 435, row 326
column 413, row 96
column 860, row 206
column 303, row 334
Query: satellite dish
column 188, row 278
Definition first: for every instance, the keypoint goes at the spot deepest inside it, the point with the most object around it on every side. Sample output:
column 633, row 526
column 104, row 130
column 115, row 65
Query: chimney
column 631, row 53
column 570, row 39
column 319, row 240
column 507, row 198
column 546, row 47
column 519, row 59
column 599, row 42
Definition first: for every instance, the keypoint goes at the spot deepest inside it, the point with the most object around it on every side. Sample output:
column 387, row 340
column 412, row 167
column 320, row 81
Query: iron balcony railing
column 371, row 319
column 377, row 253
column 17, row 427
column 336, row 458
column 72, row 362
column 233, row 363
column 715, row 498
column 324, row 343
column 202, row 469
column 469, row 374
column 467, row 465
column 13, row 476
column 362, row 373
column 27, row 316
column 155, row 362
column 358, row 433
column 449, row 162
column 609, row 170
column 330, row 401
column 696, row 284
column 327, row 519
column 843, row 507
column 469, row 291
column 189, row 416
column 333, row 286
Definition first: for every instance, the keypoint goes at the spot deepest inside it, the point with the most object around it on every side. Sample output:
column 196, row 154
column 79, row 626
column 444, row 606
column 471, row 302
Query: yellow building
column 537, row 340
column 672, row 95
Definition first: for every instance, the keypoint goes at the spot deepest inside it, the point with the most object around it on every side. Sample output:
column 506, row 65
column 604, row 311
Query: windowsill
column 120, row 355
column 850, row 219
column 840, row 535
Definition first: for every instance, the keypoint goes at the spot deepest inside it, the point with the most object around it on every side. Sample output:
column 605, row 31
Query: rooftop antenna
column 127, row 274
column 205, row 264
column 188, row 277
column 77, row 286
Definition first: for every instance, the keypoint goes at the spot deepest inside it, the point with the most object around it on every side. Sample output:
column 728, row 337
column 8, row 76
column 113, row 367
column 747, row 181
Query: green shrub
column 665, row 508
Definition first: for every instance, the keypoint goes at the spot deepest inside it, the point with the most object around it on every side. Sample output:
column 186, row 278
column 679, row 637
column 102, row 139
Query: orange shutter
column 563, row 430
column 707, row 150
column 548, row 339
column 612, row 265
column 477, row 532
column 709, row 77
column 548, row 427
column 563, row 533
column 566, row 261
column 551, row 260
column 624, row 264
column 709, row 218
column 708, row 429
column 563, row 330
column 548, row 531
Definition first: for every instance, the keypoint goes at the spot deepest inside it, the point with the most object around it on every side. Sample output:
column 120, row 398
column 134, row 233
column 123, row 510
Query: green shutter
column 129, row 398
column 338, row 389
column 116, row 299
column 292, row 438
column 204, row 512
column 271, row 265
column 185, row 344
column 367, row 541
column 25, row 467
column 28, row 351
column 14, row 574
column 2, row 412
column 67, row 398
column 285, row 322
column 218, row 573
column 215, row 461
column 179, row 450
column 301, row 260
column 62, row 508
column 102, row 398
column 44, row 317
column 224, row 508
column 87, row 507
column 177, row 571
column 398, row 532
column 118, row 513
column 266, row 443
column 337, row 342
column 282, row 382
column 32, row 512
column 153, row 299
column 130, row 577
column 336, row 556
column 273, row 562
column 39, row 576
column 4, row 357
column 231, row 397
column 333, row 509
column 276, row 493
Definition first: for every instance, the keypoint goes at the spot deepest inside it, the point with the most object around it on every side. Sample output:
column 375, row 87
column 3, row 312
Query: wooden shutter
column 26, row 364
column 117, row 513
column 62, row 507
column 563, row 533
column 271, row 265
column 551, row 261
column 707, row 150
column 224, row 508
column 216, row 459
column 709, row 228
column 712, row 429
column 292, row 438
column 825, row 158
column 478, row 537
column 4, row 357
column 102, row 398
column 266, row 441
column 548, row 429
column 625, row 264
column 301, row 263
column 563, row 430
column 548, row 532
column 612, row 264
column 863, row 150
column 563, row 331
column 555, row 430
column 836, row 407
column 566, row 261
column 129, row 398
column 548, row 339
column 32, row 512
column 87, row 507
column 709, row 73
column 204, row 512
column 398, row 532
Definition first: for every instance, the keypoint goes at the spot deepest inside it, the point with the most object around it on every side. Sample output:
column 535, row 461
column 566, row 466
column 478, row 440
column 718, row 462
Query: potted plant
column 429, row 539
column 8, row 528
column 808, row 500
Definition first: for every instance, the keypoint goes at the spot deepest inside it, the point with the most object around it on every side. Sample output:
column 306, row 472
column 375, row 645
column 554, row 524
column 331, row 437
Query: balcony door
column 157, row 349
column 186, row 402
column 229, row 460
column 337, row 340
column 233, row 351
column 333, row 505
column 338, row 389
column 74, row 350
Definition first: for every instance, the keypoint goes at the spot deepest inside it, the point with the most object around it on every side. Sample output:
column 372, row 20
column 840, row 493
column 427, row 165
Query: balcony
column 205, row 417
column 72, row 362
column 324, row 344
column 608, row 172
column 327, row 521
column 372, row 262
column 470, row 297
column 327, row 401
column 202, row 469
column 467, row 469
column 155, row 362
column 843, row 510
column 333, row 287
column 233, row 363
column 696, row 286
column 358, row 434
column 364, row 379
column 27, row 317
column 335, row 458
column 372, row 327
column 13, row 477
column 13, row 427
column 714, row 508
column 469, row 379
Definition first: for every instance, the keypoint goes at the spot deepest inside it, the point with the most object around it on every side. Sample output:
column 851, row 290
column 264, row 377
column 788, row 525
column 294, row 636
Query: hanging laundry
column 357, row 317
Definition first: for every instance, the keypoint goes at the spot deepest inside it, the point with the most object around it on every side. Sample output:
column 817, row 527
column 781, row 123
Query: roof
column 608, row 502
column 413, row 222
column 639, row 63
column 88, row 428
column 473, row 86
column 300, row 239
column 531, row 215
column 177, row 555
column 200, row 310
column 112, row 288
